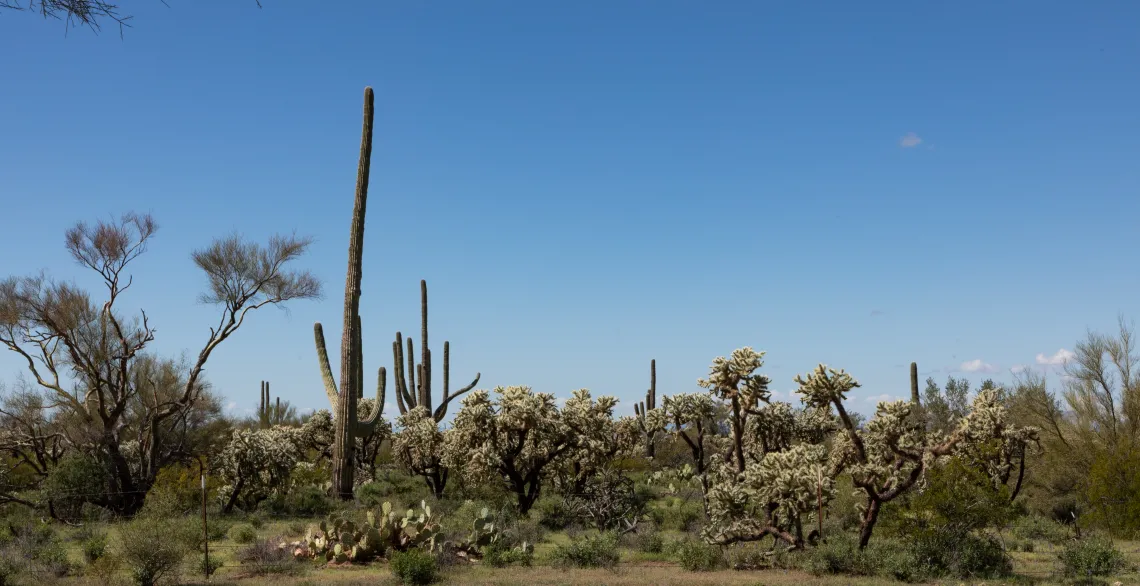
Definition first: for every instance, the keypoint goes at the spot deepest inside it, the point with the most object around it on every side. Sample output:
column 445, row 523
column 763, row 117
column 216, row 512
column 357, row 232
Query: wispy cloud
column 1057, row 359
column 977, row 365
column 877, row 312
column 881, row 398
column 231, row 405
column 910, row 140
column 1018, row 368
column 307, row 410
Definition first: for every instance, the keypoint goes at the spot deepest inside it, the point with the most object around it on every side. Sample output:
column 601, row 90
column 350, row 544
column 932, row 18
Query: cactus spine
column 410, row 393
column 650, row 403
column 343, row 403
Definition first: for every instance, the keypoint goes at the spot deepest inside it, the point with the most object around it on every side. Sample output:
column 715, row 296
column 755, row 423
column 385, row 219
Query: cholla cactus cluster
column 519, row 437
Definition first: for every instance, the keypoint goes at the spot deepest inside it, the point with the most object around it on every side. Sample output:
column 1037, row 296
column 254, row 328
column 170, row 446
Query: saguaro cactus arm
column 326, row 370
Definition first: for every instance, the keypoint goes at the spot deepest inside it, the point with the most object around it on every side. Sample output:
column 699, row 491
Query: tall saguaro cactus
column 272, row 412
column 410, row 393
column 649, row 404
column 914, row 384
column 343, row 403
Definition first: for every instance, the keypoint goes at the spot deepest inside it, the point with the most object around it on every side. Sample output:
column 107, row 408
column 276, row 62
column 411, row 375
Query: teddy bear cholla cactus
column 418, row 447
column 890, row 455
column 520, row 437
column 770, row 477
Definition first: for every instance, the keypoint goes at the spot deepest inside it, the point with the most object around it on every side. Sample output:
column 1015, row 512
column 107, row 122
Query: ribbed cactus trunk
column 914, row 384
column 347, row 426
column 644, row 407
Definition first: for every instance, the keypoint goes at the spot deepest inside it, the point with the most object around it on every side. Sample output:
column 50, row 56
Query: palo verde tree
column 91, row 360
column 344, row 401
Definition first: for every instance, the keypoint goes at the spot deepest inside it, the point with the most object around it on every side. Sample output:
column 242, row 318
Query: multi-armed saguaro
column 347, row 426
column 406, row 377
column 270, row 413
column 650, row 403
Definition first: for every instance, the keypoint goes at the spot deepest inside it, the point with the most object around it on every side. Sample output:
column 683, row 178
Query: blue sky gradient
column 589, row 185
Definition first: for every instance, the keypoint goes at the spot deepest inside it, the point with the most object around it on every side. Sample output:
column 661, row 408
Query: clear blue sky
column 589, row 185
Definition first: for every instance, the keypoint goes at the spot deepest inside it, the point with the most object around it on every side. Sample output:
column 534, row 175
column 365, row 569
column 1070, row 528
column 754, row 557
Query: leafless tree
column 91, row 359
column 89, row 13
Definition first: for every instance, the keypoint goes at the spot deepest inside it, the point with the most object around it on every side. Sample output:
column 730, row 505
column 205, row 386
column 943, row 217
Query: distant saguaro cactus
column 406, row 376
column 641, row 409
column 270, row 413
column 343, row 403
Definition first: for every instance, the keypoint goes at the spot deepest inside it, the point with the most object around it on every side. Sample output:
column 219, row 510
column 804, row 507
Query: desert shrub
column 391, row 485
column 698, row 556
column 840, row 554
column 149, row 550
column 414, row 566
column 182, row 485
column 207, row 566
column 498, row 555
column 37, row 548
column 94, row 547
column 675, row 513
column 552, row 512
column 747, row 556
column 304, row 501
column 256, row 520
column 218, row 528
column 242, row 533
column 607, row 501
column 1040, row 528
column 76, row 480
column 263, row 557
column 1090, row 557
column 647, row 539
column 10, row 567
column 597, row 551
column 973, row 555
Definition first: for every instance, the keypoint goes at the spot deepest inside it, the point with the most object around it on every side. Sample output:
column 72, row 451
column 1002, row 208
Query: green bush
column 1040, row 528
column 675, row 513
column 598, row 551
column 76, row 480
column 218, row 528
column 698, row 556
column 498, row 555
column 94, row 547
column 973, row 555
column 38, row 548
column 1091, row 557
column 242, row 533
column 207, row 568
column 10, row 567
column 257, row 521
column 414, row 566
column 747, row 556
column 647, row 539
column 150, row 551
column 552, row 513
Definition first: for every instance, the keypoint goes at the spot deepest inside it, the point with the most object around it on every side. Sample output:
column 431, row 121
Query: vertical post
column 205, row 533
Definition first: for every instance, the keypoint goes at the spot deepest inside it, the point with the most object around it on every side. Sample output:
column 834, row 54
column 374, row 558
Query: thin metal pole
column 205, row 532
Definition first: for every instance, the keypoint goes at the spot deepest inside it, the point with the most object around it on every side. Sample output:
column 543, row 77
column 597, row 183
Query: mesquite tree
column 344, row 401
column 91, row 360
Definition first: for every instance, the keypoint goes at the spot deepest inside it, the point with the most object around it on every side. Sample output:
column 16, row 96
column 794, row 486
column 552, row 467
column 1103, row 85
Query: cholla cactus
column 518, row 436
column 418, row 446
column 890, row 455
column 256, row 463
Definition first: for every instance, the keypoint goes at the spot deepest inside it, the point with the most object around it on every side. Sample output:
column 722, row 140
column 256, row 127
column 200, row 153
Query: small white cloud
column 1018, row 368
column 977, row 365
column 1059, row 358
column 249, row 410
column 389, row 408
column 231, row 405
column 560, row 401
column 877, row 312
column 306, row 410
column 776, row 394
column 884, row 398
column 910, row 140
